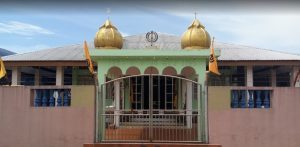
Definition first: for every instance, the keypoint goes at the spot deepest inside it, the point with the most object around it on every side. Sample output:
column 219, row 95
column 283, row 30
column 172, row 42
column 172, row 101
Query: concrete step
column 150, row 145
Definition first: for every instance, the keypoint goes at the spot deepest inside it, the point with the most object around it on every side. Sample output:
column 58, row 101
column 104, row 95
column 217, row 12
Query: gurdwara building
column 151, row 89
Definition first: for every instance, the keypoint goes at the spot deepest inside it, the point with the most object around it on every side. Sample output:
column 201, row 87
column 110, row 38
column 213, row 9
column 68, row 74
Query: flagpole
column 206, row 96
column 96, row 87
column 212, row 42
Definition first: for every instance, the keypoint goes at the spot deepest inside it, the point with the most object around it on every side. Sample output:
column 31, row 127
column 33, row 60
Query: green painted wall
column 82, row 96
column 127, row 96
column 219, row 98
column 75, row 76
column 160, row 59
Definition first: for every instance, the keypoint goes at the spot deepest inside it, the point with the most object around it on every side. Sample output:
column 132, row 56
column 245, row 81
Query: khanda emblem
column 211, row 58
column 151, row 37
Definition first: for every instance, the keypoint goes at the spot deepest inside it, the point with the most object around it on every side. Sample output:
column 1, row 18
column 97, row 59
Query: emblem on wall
column 151, row 37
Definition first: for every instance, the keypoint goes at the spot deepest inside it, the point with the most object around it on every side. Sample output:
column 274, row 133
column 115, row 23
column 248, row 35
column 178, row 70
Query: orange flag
column 2, row 69
column 213, row 65
column 88, row 58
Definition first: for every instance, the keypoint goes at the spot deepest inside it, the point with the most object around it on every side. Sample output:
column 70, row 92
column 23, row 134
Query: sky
column 30, row 25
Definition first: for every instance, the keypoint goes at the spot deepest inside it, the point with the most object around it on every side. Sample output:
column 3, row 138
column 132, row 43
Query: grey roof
column 164, row 42
column 4, row 52
column 229, row 52
column 233, row 52
column 65, row 53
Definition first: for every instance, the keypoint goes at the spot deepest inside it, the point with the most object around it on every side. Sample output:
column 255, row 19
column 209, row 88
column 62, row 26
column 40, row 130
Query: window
column 230, row 76
column 27, row 79
column 283, row 76
column 137, row 92
column 170, row 92
column 47, row 75
column 68, row 75
column 164, row 92
column 262, row 75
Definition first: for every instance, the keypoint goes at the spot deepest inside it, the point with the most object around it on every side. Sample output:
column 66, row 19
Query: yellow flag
column 2, row 69
column 213, row 65
column 88, row 58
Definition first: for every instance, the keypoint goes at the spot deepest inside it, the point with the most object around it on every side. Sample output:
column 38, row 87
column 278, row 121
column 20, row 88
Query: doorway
column 164, row 91
column 150, row 108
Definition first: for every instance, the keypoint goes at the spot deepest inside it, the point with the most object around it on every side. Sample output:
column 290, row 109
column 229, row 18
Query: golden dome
column 108, row 37
column 196, row 37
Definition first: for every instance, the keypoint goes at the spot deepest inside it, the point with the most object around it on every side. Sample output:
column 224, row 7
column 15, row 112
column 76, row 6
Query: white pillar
column 249, row 74
column 183, row 92
column 37, row 77
column 273, row 77
column 59, row 76
column 16, row 76
column 117, row 103
column 189, row 96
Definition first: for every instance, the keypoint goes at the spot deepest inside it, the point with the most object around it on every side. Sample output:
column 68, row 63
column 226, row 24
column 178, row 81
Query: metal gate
column 149, row 108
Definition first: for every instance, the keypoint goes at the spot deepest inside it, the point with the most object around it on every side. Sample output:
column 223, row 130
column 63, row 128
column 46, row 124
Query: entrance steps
column 149, row 145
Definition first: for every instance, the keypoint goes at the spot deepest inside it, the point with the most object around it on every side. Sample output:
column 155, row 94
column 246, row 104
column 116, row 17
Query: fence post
column 44, row 98
column 251, row 101
column 267, row 99
column 199, row 113
column 59, row 99
column 52, row 99
column 235, row 101
column 37, row 99
column 258, row 99
column 243, row 99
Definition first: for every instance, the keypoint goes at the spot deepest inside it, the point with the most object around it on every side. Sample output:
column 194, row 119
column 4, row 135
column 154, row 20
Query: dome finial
column 108, row 37
column 108, row 12
column 196, row 37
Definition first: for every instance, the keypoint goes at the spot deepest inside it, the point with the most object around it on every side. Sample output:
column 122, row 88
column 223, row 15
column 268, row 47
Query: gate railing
column 139, row 126
column 119, row 122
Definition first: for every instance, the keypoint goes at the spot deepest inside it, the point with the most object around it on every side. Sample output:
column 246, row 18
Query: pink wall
column 275, row 127
column 24, row 126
